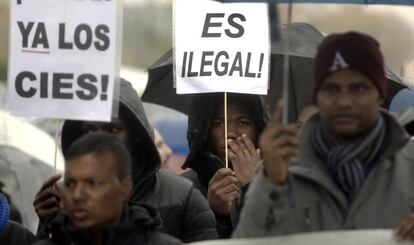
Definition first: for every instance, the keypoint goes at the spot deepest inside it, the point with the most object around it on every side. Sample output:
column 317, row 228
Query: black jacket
column 184, row 211
column 14, row 234
column 138, row 226
column 203, row 163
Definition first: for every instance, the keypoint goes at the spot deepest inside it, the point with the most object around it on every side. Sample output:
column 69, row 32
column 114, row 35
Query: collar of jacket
column 135, row 219
column 308, row 165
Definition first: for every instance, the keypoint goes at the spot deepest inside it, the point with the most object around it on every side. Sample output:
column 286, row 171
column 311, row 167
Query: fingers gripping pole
column 225, row 129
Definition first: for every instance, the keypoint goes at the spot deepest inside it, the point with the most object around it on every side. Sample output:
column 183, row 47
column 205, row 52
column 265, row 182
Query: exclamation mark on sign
column 260, row 65
column 104, row 94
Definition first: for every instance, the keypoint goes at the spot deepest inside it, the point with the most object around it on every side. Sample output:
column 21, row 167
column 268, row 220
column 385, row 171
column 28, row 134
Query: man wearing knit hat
column 353, row 165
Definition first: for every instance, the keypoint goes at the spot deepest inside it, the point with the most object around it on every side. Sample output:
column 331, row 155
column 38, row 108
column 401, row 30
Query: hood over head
column 146, row 160
column 200, row 119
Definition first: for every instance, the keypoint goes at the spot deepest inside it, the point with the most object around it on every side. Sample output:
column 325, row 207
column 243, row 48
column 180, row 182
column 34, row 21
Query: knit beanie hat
column 350, row 50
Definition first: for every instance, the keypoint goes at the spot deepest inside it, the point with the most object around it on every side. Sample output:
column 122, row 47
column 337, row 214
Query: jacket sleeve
column 257, row 217
column 199, row 220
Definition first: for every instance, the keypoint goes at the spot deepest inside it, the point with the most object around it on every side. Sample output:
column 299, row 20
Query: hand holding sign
column 279, row 144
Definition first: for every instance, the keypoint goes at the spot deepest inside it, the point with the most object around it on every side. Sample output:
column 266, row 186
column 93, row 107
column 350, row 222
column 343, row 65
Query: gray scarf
column 349, row 164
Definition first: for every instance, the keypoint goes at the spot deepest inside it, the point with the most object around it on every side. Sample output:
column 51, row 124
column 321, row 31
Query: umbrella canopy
column 23, row 175
column 304, row 41
column 28, row 138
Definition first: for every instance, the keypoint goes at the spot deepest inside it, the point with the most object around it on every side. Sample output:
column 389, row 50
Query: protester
column 163, row 149
column 98, row 182
column 184, row 211
column 12, row 233
column 223, row 187
column 351, row 168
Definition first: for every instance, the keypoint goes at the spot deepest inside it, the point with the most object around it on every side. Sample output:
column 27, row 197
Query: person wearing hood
column 184, row 211
column 353, row 165
column 97, row 173
column 224, row 187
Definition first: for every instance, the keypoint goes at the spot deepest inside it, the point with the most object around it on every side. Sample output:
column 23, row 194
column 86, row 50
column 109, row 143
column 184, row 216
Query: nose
column 232, row 131
column 78, row 193
column 344, row 100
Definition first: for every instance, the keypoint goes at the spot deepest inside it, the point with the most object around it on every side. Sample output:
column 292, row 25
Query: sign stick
column 56, row 144
column 225, row 128
column 286, row 68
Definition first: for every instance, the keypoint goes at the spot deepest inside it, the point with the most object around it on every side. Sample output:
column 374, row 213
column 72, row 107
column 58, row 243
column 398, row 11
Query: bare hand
column 47, row 200
column 405, row 230
column 223, row 189
column 244, row 158
column 279, row 144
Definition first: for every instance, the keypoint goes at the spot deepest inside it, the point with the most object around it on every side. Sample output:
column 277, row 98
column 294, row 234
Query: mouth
column 344, row 119
column 80, row 214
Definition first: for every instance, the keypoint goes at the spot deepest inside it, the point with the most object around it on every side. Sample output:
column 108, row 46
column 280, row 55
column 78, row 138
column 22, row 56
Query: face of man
column 238, row 123
column 348, row 103
column 117, row 126
column 94, row 194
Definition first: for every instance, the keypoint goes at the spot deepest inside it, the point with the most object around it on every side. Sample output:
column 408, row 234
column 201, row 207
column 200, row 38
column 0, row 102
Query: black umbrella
column 304, row 40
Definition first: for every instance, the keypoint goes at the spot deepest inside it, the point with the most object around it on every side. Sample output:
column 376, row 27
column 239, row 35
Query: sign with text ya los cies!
column 221, row 47
column 63, row 58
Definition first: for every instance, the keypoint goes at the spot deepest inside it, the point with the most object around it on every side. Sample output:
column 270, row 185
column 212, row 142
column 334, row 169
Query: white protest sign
column 221, row 47
column 63, row 58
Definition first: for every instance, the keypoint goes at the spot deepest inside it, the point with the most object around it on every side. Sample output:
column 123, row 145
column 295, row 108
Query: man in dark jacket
column 184, row 211
column 352, row 167
column 223, row 187
column 97, row 185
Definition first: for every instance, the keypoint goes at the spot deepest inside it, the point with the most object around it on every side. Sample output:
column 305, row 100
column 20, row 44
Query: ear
column 126, row 184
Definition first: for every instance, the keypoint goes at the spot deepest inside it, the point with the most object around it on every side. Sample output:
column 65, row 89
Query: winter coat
column 203, row 163
column 14, row 234
column 184, row 211
column 138, row 226
column 311, row 201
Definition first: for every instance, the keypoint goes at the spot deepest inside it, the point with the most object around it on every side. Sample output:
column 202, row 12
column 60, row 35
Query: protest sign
column 221, row 47
column 63, row 58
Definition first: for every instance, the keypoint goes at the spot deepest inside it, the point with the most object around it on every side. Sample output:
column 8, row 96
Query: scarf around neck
column 349, row 164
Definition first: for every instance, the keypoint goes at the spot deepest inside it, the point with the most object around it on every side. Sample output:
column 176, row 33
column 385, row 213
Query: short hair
column 99, row 143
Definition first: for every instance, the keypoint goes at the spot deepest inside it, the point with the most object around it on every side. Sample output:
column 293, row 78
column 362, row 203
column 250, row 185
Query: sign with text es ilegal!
column 221, row 47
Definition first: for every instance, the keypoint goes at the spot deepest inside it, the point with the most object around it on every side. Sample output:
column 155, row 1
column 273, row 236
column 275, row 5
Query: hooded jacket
column 203, row 163
column 184, row 211
column 138, row 226
column 311, row 201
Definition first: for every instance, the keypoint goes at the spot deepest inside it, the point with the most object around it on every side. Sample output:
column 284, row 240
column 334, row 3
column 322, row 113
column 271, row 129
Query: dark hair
column 249, row 104
column 99, row 143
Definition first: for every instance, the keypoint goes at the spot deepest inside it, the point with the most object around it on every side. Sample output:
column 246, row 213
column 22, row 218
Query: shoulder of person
column 408, row 150
column 163, row 239
column 173, row 180
column 15, row 233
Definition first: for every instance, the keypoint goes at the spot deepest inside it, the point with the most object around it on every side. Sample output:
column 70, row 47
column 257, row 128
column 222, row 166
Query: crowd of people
column 344, row 164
